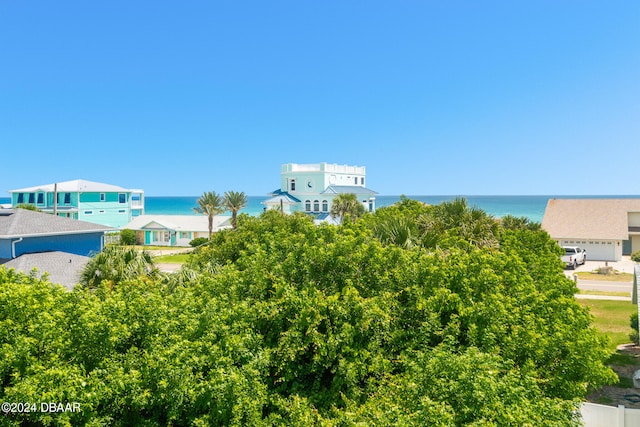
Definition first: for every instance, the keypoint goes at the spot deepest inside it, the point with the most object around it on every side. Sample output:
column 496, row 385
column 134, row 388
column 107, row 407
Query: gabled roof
column 63, row 268
column 75, row 186
column 198, row 223
column 342, row 189
column 26, row 223
column 603, row 219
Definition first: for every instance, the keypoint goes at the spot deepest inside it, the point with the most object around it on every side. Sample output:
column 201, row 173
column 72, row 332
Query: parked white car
column 574, row 256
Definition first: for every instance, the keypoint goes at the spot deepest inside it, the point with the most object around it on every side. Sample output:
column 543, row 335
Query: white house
column 606, row 228
column 174, row 230
column 311, row 188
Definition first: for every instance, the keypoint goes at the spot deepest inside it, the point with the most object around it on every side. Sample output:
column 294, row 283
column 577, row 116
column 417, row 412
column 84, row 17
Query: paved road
column 604, row 286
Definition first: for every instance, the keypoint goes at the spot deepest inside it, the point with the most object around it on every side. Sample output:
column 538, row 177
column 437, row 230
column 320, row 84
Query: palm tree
column 116, row 264
column 234, row 201
column 210, row 204
column 347, row 204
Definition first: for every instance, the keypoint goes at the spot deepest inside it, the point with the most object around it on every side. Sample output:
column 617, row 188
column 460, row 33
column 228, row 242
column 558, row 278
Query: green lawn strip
column 171, row 259
column 612, row 319
column 607, row 293
column 617, row 277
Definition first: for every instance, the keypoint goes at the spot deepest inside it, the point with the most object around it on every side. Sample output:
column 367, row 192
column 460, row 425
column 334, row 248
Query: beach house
column 606, row 228
column 83, row 200
column 174, row 230
column 311, row 188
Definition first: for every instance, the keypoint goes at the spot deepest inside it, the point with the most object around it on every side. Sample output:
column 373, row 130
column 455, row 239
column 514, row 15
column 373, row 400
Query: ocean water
column 531, row 207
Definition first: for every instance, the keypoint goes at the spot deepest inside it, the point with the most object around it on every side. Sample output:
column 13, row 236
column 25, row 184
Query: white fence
column 594, row 415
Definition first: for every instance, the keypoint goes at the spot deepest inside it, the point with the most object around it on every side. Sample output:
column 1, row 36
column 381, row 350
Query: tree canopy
column 282, row 322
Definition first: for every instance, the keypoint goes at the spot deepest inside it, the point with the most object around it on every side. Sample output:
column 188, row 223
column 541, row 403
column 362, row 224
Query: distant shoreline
column 531, row 207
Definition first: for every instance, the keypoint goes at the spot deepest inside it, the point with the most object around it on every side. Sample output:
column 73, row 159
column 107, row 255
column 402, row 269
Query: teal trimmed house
column 311, row 188
column 88, row 201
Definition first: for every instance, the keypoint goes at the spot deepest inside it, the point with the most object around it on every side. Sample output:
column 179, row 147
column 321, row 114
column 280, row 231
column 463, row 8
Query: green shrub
column 635, row 256
column 127, row 237
column 198, row 241
column 634, row 336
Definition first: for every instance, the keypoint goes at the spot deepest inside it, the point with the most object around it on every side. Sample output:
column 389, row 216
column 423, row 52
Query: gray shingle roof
column 24, row 222
column 63, row 268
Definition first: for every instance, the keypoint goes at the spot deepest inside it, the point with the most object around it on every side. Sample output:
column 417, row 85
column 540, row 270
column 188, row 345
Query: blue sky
column 433, row 97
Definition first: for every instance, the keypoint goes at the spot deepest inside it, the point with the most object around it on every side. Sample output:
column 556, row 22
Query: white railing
column 594, row 415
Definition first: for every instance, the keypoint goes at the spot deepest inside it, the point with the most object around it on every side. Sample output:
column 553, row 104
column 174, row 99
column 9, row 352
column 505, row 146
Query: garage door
column 597, row 250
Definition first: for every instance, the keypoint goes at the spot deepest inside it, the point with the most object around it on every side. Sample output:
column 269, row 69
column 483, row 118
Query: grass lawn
column 171, row 259
column 612, row 318
column 618, row 277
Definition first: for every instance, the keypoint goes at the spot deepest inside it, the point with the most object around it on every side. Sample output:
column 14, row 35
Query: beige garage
column 606, row 228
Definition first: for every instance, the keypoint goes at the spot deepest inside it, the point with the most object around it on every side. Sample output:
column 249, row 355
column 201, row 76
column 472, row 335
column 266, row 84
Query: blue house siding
column 79, row 244
column 5, row 248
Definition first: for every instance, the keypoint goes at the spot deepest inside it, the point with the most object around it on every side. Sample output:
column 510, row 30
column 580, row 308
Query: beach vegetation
column 234, row 201
column 117, row 264
column 346, row 206
column 210, row 204
column 283, row 322
column 127, row 237
column 28, row 207
column 198, row 241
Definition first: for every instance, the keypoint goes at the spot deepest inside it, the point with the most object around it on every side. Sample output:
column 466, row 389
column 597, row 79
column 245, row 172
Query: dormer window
column 293, row 185
column 103, row 197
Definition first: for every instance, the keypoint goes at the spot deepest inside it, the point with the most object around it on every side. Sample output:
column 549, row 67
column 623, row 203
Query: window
column 67, row 198
column 307, row 205
column 20, row 198
column 41, row 198
column 103, row 197
column 121, row 211
column 122, row 198
column 32, row 198
column 355, row 180
column 88, row 212
column 362, row 181
column 293, row 185
column 325, row 206
column 101, row 211
column 316, row 206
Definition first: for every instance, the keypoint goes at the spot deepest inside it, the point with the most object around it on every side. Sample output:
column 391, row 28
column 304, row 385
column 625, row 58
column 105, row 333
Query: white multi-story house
column 311, row 188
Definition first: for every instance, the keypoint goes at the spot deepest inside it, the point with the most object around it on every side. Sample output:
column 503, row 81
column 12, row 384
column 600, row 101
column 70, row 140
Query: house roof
column 63, row 268
column 75, row 186
column 25, row 223
column 605, row 219
column 197, row 223
column 341, row 189
column 285, row 197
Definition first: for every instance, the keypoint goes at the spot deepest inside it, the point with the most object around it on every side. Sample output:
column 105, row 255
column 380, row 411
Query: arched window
column 307, row 205
column 325, row 206
column 316, row 206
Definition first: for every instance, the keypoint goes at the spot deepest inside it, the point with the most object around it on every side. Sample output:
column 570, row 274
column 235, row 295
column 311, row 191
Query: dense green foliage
column 198, row 241
column 416, row 315
column 635, row 256
column 633, row 322
column 346, row 206
column 127, row 237
column 116, row 264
